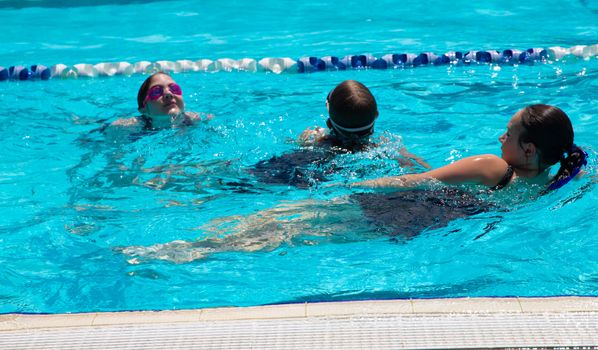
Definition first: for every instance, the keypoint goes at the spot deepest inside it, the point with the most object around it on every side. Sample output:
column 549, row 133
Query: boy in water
column 352, row 112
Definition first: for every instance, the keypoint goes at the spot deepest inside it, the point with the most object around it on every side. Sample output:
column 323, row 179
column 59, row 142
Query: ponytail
column 570, row 167
column 550, row 130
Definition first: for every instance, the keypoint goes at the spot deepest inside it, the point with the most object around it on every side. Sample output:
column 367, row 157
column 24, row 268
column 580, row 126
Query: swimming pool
column 70, row 198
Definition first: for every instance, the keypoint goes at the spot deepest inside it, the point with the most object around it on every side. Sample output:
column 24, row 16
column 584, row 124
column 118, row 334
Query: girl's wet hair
column 550, row 130
column 142, row 93
column 352, row 107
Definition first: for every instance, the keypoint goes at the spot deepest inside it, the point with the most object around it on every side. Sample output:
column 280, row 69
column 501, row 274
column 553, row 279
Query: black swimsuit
column 409, row 212
column 146, row 121
column 505, row 179
column 305, row 167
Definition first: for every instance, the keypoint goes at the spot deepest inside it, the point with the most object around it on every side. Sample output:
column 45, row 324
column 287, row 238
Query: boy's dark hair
column 352, row 109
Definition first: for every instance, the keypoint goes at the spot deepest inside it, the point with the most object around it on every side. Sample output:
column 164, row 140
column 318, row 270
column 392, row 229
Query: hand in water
column 310, row 136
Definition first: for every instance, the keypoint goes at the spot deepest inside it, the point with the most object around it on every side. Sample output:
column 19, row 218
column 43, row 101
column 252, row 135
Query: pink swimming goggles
column 155, row 92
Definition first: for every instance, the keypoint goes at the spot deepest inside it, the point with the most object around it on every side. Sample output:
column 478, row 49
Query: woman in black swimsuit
column 537, row 137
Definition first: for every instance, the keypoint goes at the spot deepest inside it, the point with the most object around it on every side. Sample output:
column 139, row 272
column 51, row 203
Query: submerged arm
column 199, row 116
column 417, row 159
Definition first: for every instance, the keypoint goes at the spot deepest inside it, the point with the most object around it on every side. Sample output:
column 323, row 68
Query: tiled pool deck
column 490, row 323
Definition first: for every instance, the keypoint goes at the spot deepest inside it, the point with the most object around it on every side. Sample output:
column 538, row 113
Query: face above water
column 169, row 104
column 512, row 151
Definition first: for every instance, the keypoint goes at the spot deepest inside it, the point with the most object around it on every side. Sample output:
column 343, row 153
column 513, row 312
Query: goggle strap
column 352, row 130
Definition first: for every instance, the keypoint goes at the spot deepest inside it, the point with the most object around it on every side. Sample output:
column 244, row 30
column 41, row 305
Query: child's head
column 159, row 95
column 352, row 109
column 549, row 129
column 545, row 133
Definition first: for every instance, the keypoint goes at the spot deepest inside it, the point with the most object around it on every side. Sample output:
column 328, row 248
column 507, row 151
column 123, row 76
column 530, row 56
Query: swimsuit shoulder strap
column 146, row 121
column 505, row 179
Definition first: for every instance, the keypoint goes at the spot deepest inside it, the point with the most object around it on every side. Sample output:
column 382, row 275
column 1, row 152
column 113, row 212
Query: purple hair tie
column 582, row 162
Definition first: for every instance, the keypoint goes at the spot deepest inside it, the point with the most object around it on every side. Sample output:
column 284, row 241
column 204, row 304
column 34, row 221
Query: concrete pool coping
column 552, row 322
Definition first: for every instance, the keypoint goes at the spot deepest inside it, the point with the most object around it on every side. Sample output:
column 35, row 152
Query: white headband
column 341, row 128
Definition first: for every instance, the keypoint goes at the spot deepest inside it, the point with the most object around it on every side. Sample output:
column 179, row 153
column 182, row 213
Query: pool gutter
column 464, row 323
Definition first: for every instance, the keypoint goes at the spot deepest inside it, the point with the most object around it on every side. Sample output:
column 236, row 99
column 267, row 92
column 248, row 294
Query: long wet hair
column 550, row 130
column 352, row 106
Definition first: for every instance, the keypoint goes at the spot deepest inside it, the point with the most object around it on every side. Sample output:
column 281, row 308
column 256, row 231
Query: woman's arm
column 484, row 169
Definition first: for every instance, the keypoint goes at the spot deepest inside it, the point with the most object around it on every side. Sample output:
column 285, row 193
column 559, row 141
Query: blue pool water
column 72, row 200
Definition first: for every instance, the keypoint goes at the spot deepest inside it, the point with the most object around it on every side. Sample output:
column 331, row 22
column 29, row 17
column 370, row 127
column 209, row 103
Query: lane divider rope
column 302, row 65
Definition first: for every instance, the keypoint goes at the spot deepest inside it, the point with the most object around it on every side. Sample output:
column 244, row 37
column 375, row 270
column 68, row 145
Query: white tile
column 257, row 312
column 559, row 304
column 360, row 308
column 469, row 305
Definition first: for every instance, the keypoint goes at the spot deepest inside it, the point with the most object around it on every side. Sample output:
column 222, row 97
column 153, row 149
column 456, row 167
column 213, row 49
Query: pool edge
column 514, row 305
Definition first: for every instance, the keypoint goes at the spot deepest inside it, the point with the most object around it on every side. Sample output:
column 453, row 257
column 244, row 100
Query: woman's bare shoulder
column 489, row 168
column 490, row 162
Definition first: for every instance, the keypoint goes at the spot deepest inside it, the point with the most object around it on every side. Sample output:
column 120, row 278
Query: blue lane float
column 36, row 71
column 309, row 64
column 3, row 74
